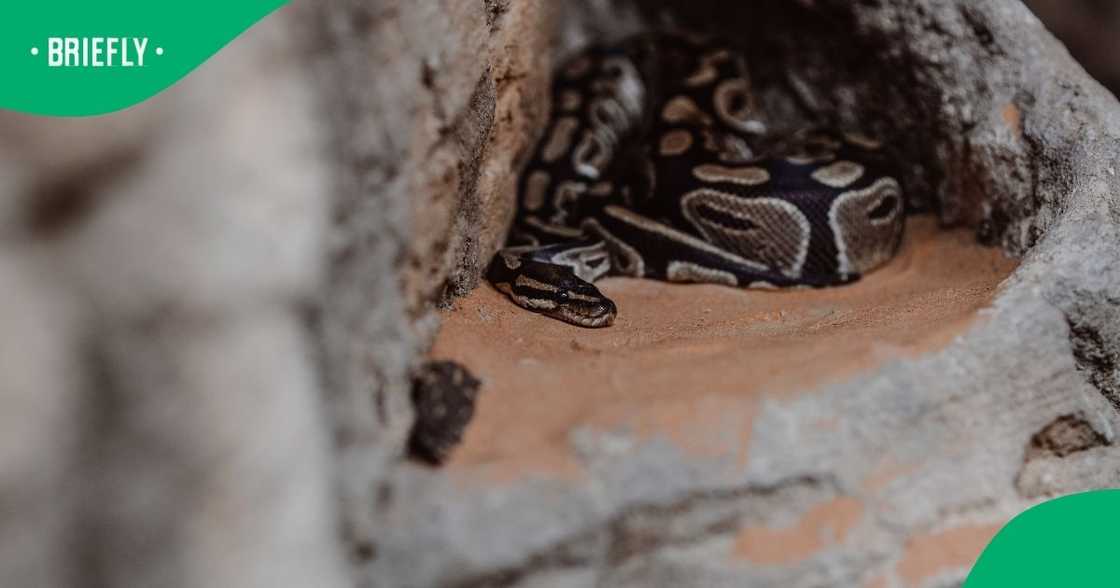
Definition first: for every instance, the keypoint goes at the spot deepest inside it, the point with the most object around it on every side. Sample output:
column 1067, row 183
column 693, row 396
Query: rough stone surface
column 162, row 418
column 928, row 457
column 203, row 295
column 432, row 107
column 1088, row 28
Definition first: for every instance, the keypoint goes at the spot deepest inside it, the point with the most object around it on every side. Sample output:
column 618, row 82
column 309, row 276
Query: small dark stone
column 443, row 395
column 1064, row 436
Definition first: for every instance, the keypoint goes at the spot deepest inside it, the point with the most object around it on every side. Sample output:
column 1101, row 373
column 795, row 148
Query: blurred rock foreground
column 212, row 301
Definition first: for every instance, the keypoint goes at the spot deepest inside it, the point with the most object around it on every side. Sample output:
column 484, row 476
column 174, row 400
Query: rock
column 1088, row 28
column 432, row 106
column 926, row 457
column 40, row 392
column 162, row 403
column 443, row 398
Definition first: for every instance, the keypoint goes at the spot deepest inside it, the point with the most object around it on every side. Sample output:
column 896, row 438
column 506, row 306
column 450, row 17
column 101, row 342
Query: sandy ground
column 680, row 357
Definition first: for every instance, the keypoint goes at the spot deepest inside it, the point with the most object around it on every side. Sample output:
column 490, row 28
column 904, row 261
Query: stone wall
column 432, row 108
column 215, row 299
column 163, row 422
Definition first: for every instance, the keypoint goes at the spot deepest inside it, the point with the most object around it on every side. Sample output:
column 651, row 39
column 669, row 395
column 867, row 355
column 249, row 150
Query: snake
column 656, row 162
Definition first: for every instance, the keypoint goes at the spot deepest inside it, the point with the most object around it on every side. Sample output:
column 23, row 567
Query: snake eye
column 562, row 295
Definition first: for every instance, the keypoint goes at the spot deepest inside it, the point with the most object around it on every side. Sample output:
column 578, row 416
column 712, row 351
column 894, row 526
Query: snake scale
column 656, row 163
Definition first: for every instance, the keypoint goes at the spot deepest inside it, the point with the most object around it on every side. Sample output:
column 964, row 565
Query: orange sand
column 823, row 524
column 692, row 362
column 929, row 555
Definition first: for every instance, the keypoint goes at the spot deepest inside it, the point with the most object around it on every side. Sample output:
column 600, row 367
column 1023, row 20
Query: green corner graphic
column 1068, row 541
column 83, row 57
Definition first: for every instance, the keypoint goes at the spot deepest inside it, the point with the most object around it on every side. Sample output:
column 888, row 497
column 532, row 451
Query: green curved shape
column 157, row 43
column 1069, row 541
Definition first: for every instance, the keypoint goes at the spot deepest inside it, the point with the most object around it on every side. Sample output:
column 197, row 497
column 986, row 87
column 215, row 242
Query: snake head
column 554, row 290
column 581, row 303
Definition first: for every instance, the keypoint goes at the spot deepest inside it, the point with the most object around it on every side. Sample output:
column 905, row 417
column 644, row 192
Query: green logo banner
column 84, row 57
column 1069, row 541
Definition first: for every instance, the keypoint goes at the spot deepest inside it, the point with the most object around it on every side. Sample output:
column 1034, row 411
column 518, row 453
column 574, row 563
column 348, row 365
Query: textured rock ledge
column 926, row 457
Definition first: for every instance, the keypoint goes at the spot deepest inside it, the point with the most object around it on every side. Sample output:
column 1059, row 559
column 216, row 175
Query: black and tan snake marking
column 653, row 166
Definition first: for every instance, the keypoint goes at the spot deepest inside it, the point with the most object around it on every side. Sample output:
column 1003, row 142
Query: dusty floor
column 683, row 357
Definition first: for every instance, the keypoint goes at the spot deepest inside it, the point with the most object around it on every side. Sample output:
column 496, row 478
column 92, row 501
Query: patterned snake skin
column 656, row 164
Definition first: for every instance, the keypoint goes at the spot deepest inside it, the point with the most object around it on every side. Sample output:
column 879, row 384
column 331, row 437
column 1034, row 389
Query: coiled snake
column 655, row 163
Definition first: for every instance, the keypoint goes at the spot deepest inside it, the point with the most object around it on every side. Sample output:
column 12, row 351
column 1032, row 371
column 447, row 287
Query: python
column 96, row 51
column 656, row 163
